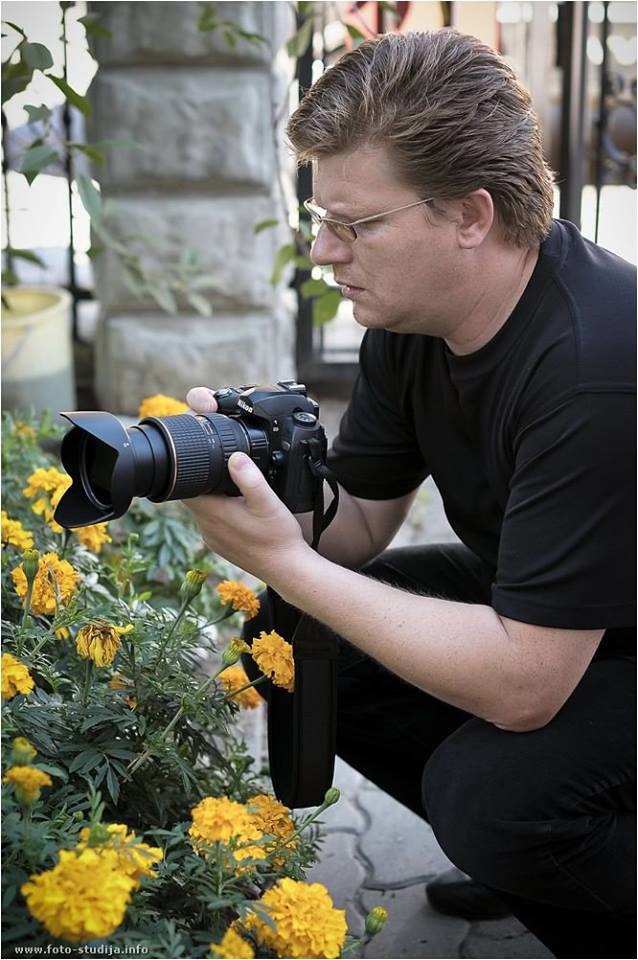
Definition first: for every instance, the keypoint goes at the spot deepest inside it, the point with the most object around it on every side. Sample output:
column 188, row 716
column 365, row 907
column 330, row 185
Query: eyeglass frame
column 319, row 220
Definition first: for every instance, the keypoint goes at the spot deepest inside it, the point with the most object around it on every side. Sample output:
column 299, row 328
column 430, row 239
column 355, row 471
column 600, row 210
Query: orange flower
column 242, row 598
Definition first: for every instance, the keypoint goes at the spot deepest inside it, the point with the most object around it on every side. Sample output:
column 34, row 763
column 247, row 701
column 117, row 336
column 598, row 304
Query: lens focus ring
column 190, row 469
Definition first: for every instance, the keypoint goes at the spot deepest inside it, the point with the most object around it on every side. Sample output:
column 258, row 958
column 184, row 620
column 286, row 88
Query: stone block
column 138, row 356
column 506, row 938
column 219, row 230
column 413, row 929
column 191, row 128
column 163, row 33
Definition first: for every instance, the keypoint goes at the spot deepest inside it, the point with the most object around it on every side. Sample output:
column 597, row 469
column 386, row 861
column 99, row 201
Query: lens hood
column 109, row 443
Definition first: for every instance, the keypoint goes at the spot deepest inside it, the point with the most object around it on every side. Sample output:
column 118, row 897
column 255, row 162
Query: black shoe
column 456, row 894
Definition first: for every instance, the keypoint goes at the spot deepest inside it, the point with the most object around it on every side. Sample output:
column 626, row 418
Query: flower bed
column 133, row 816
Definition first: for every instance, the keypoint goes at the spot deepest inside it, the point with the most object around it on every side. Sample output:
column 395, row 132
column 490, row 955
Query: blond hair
column 452, row 115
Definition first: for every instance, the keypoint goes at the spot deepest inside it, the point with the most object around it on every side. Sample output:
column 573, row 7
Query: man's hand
column 256, row 531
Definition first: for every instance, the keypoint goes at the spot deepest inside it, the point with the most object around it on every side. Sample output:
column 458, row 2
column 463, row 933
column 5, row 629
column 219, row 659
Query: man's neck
column 501, row 282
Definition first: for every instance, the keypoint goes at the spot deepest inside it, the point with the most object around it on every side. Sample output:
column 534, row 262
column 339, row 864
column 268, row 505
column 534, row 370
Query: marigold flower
column 241, row 597
column 21, row 429
column 192, row 584
column 84, row 897
column 62, row 633
column 273, row 656
column 50, row 568
column 232, row 679
column 93, row 537
column 232, row 945
column 48, row 485
column 218, row 818
column 375, row 921
column 159, row 405
column 135, row 859
column 307, row 923
column 22, row 751
column 274, row 818
column 100, row 641
column 14, row 533
column 28, row 782
column 15, row 677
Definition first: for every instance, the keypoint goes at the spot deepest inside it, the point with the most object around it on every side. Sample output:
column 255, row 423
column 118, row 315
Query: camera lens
column 96, row 470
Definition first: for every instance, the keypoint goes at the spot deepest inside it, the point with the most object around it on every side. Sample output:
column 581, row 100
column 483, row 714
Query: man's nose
column 328, row 249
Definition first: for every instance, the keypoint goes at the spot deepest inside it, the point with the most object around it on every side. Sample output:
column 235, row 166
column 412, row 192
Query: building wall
column 204, row 172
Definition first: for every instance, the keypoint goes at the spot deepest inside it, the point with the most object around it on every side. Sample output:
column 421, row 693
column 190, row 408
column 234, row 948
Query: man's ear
column 475, row 218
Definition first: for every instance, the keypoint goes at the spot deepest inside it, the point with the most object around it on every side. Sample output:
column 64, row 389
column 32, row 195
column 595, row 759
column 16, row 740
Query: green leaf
column 90, row 197
column 89, row 151
column 230, row 38
column 36, row 55
column 164, row 298
column 208, row 19
column 15, row 78
column 354, row 32
column 38, row 113
column 284, row 255
column 14, row 26
column 389, row 7
column 304, row 7
column 36, row 159
column 72, row 96
column 303, row 262
column 200, row 303
column 93, row 26
column 325, row 307
column 314, row 288
column 265, row 225
column 300, row 41
column 25, row 255
column 255, row 38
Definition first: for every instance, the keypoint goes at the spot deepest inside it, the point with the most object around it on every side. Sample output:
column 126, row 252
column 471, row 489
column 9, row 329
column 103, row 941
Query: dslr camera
column 182, row 456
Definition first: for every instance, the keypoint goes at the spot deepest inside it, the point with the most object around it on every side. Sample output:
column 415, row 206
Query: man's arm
column 514, row 675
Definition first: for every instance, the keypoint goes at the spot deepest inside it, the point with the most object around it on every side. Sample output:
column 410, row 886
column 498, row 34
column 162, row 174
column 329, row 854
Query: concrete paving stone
column 344, row 817
column 342, row 872
column 413, row 930
column 399, row 845
column 506, row 938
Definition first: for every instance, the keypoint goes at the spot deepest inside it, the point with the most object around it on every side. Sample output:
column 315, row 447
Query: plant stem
column 300, row 829
column 171, row 631
column 25, row 615
column 88, row 676
column 65, row 544
column 246, row 686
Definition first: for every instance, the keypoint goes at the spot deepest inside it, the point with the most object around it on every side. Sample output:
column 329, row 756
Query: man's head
column 450, row 115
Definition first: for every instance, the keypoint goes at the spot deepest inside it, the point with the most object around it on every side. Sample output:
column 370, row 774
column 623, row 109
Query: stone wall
column 204, row 172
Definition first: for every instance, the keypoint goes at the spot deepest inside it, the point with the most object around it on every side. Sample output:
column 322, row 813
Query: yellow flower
column 273, row 656
column 28, row 782
column 159, row 405
column 221, row 819
column 63, row 633
column 52, row 572
column 50, row 483
column 100, row 641
column 307, row 923
column 22, row 751
column 232, row 679
column 192, row 584
column 242, row 597
column 23, row 430
column 274, row 818
column 14, row 533
column 93, row 537
column 15, row 677
column 232, row 945
column 375, row 921
column 84, row 897
column 135, row 859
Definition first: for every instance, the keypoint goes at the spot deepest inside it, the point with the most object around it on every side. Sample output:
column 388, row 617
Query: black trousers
column 546, row 818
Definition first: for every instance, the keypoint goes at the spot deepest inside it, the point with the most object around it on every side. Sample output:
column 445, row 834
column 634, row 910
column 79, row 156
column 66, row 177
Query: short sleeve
column 375, row 455
column 567, row 549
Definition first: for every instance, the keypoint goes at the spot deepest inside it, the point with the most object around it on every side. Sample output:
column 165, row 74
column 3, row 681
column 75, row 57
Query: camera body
column 289, row 419
column 186, row 455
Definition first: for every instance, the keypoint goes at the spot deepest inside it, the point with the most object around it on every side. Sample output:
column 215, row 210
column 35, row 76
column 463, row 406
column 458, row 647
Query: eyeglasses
column 346, row 231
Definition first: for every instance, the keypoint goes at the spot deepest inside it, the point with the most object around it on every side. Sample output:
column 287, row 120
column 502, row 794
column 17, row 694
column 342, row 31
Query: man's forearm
column 458, row 652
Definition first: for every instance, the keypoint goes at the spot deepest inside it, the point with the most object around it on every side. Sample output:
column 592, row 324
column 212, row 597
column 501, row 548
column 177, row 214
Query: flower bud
column 31, row 564
column 192, row 584
column 98, row 834
column 375, row 921
column 22, row 752
column 234, row 650
column 331, row 797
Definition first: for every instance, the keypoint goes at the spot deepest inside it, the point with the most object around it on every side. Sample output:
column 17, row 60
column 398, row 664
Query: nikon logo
column 244, row 406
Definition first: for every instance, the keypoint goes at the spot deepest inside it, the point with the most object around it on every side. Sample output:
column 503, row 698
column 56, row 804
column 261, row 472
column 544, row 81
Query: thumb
column 252, row 484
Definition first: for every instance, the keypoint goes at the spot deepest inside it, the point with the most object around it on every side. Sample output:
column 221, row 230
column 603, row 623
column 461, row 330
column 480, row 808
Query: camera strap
column 302, row 725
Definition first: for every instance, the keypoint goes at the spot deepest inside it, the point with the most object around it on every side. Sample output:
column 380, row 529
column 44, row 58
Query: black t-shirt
column 530, row 440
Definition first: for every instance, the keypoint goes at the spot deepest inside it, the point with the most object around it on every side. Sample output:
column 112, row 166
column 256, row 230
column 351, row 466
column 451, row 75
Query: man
column 488, row 684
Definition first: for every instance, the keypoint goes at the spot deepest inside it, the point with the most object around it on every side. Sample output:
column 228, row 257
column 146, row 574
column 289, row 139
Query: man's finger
column 201, row 400
column 252, row 484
